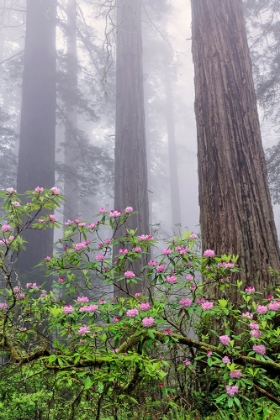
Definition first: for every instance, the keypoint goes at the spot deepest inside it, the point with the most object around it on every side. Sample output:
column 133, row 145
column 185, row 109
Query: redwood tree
column 236, row 213
column 36, row 160
column 131, row 185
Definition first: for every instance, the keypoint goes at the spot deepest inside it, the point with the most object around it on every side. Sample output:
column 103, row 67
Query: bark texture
column 36, row 165
column 131, row 180
column 71, row 188
column 236, row 212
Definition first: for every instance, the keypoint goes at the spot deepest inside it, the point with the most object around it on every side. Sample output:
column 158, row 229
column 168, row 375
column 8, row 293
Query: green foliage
column 67, row 355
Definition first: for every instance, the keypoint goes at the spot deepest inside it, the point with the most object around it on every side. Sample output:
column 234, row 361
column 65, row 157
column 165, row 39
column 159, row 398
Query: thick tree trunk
column 131, row 180
column 172, row 155
column 71, row 189
column 236, row 213
column 37, row 128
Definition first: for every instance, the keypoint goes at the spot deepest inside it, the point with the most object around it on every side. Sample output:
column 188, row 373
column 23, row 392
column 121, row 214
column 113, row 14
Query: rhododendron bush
column 79, row 351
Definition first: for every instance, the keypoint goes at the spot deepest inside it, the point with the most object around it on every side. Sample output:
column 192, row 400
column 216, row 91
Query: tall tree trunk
column 131, row 179
column 172, row 155
column 37, row 128
column 71, row 191
column 236, row 213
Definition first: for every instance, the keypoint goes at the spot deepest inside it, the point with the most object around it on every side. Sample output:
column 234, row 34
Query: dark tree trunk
column 71, row 189
column 37, row 128
column 131, row 180
column 172, row 155
column 236, row 213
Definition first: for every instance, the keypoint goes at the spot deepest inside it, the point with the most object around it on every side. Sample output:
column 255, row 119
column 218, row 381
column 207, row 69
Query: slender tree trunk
column 172, row 155
column 236, row 213
column 37, row 128
column 131, row 179
column 71, row 191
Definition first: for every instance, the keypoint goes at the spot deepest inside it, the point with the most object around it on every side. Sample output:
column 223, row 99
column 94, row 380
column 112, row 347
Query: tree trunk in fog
column 37, row 128
column 172, row 155
column 131, row 180
column 70, row 157
column 236, row 213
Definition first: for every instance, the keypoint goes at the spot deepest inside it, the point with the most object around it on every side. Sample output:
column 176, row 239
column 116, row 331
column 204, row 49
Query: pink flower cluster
column 148, row 322
column 171, row 279
column 259, row 348
column 132, row 312
column 89, row 308
column 137, row 249
column 207, row 305
column 68, row 309
column 186, row 302
column 224, row 339
column 82, row 299
column 123, row 251
column 3, row 306
column 5, row 228
column 55, row 191
column 84, row 330
column 115, row 213
column 128, row 209
column 153, row 263
column 129, row 274
column 167, row 251
column 274, row 306
column 250, row 289
column 100, row 257
column 81, row 245
column 209, row 253
column 236, row 374
column 261, row 309
column 145, row 238
column 32, row 286
column 145, row 306
column 232, row 390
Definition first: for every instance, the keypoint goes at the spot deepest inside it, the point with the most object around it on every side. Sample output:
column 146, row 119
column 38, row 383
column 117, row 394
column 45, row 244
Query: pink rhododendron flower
column 82, row 299
column 232, row 390
column 32, row 286
column 270, row 297
column 261, row 309
column 128, row 210
column 132, row 312
column 129, row 274
column 168, row 332
column 171, row 279
column 200, row 300
column 254, row 326
column 52, row 218
column 5, row 228
column 145, row 238
column 193, row 236
column 77, row 221
column 148, row 322
column 3, row 306
column 10, row 190
column 107, row 241
column 84, row 330
column 256, row 333
column 259, row 348
column 68, row 309
column 189, row 277
column 102, row 210
column 82, row 224
column 184, row 251
column 55, row 191
column 186, row 302
column 250, row 289
column 207, row 305
column 224, row 280
column 123, row 251
column 247, row 315
column 138, row 294
column 186, row 363
column 152, row 263
column 274, row 306
column 145, row 306
column 100, row 257
column 115, row 213
column 160, row 268
column 224, row 339
column 102, row 301
column 91, row 225
column 69, row 222
column 226, row 360
column 61, row 279
column 80, row 246
column 16, row 289
column 116, row 319
column 235, row 374
column 192, row 288
column 167, row 251
column 39, row 190
column 89, row 308
column 209, row 353
column 226, row 265
column 48, row 258
column 209, row 253
column 16, row 204
column 137, row 249
column 21, row 296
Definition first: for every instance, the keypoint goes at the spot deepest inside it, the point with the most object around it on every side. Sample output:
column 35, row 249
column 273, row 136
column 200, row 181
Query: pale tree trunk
column 131, row 179
column 36, row 160
column 172, row 155
column 236, row 212
column 71, row 191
